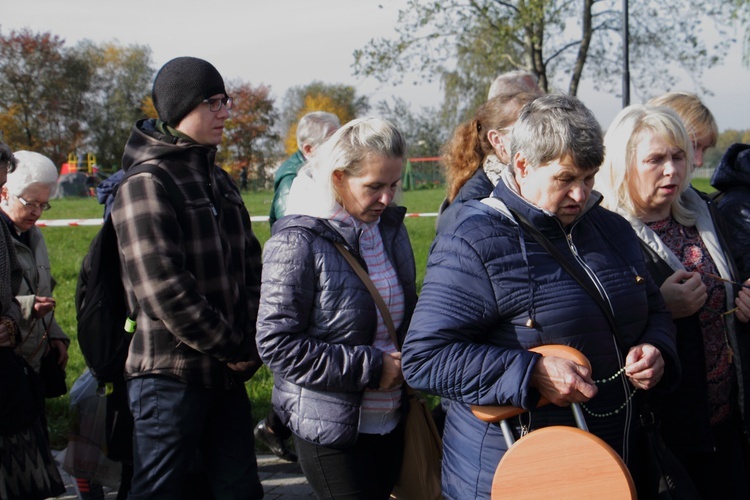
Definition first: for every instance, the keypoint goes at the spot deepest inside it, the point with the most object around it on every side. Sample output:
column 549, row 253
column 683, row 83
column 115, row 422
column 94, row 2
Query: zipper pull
column 571, row 244
column 213, row 209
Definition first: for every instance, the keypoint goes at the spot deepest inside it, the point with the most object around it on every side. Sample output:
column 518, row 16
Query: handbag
column 423, row 448
column 50, row 371
column 52, row 374
column 661, row 474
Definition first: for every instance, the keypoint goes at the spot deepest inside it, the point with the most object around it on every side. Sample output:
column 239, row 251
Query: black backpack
column 104, row 325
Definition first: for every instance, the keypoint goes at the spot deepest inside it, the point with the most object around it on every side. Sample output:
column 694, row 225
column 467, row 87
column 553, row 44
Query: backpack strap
column 175, row 195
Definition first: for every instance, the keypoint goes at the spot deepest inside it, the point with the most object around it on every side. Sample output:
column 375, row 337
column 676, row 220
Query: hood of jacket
column 148, row 145
column 338, row 231
column 733, row 169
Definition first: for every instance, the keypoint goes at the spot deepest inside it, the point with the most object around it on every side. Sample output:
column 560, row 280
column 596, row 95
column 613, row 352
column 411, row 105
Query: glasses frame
column 31, row 205
column 215, row 103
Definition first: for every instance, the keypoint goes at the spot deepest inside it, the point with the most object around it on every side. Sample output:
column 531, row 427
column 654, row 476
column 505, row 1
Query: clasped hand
column 743, row 304
column 684, row 293
column 391, row 376
column 562, row 381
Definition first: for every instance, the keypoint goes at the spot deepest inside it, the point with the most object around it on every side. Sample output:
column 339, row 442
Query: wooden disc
column 562, row 462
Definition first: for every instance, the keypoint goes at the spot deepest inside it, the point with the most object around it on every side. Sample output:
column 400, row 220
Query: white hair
column 314, row 128
column 514, row 82
column 31, row 168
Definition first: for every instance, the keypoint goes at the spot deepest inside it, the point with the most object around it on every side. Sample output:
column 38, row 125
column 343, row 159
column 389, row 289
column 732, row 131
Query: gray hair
column 556, row 126
column 632, row 124
column 314, row 128
column 514, row 82
column 31, row 168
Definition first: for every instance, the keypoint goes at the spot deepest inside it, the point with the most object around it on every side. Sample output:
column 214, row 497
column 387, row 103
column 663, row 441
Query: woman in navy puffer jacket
column 337, row 374
column 492, row 292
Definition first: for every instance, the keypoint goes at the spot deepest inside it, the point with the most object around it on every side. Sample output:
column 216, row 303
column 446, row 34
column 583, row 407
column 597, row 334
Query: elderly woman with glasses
column 645, row 177
column 24, row 198
column 27, row 469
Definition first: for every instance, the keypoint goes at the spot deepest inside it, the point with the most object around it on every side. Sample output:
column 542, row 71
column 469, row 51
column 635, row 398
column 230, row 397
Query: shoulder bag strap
column 575, row 273
column 384, row 313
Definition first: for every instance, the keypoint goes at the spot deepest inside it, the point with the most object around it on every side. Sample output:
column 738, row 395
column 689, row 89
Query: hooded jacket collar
column 338, row 231
column 148, row 145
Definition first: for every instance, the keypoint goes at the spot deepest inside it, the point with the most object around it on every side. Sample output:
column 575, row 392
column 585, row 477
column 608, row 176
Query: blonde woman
column 645, row 177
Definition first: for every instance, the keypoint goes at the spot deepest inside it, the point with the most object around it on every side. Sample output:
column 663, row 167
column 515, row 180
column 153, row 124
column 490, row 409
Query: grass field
column 68, row 245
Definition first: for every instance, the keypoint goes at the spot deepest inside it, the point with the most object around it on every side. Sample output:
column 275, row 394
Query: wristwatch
column 12, row 328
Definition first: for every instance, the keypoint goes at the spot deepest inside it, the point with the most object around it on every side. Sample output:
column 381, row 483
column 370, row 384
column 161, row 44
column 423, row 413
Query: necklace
column 621, row 407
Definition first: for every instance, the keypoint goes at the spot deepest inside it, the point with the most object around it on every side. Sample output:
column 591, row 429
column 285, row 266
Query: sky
column 286, row 43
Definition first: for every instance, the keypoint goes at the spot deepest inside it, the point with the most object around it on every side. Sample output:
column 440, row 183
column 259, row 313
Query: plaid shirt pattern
column 196, row 274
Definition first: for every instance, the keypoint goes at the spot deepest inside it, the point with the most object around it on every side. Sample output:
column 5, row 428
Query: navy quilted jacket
column 477, row 187
column 732, row 178
column 317, row 322
column 468, row 338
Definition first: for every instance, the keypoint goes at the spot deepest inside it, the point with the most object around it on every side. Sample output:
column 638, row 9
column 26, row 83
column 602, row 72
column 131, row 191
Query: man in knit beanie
column 192, row 275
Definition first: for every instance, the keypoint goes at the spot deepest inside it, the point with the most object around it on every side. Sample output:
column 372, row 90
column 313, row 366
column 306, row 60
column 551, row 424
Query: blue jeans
column 175, row 423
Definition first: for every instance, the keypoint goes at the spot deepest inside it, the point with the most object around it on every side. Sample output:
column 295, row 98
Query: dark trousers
column 367, row 470
column 176, row 423
column 721, row 474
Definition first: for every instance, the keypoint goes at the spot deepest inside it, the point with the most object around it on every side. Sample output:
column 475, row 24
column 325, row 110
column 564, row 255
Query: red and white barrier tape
column 98, row 222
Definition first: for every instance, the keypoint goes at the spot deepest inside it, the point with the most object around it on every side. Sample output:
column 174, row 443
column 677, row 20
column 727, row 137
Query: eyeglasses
column 215, row 104
column 32, row 205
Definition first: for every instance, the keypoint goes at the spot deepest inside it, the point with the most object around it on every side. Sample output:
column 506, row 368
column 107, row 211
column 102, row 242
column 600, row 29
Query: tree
column 423, row 134
column 467, row 42
column 119, row 89
column 338, row 99
column 250, row 139
column 727, row 138
column 43, row 88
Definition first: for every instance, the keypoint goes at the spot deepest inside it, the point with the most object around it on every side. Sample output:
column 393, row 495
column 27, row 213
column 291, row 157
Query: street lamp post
column 625, row 56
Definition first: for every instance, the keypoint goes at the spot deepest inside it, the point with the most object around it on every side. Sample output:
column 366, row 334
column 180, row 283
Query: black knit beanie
column 181, row 84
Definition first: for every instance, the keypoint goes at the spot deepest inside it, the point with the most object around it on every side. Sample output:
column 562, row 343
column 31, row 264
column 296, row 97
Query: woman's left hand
column 743, row 304
column 644, row 366
column 43, row 305
column 62, row 360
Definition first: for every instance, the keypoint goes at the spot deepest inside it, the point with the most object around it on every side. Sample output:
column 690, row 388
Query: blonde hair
column 629, row 127
column 313, row 192
column 697, row 118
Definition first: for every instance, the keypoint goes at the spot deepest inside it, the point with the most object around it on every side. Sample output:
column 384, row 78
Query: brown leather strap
column 384, row 313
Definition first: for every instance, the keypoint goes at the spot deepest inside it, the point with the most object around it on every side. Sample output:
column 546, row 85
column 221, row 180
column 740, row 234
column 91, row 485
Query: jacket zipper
column 600, row 288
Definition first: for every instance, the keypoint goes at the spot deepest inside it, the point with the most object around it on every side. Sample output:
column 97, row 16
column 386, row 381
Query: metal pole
column 625, row 56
